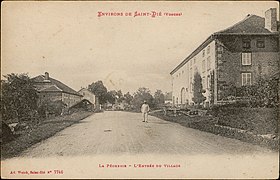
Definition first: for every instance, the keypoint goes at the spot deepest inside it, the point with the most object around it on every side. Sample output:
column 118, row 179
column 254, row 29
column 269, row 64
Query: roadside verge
column 213, row 125
column 41, row 131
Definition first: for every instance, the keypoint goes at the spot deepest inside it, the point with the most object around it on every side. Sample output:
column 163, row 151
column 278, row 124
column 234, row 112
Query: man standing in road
column 145, row 109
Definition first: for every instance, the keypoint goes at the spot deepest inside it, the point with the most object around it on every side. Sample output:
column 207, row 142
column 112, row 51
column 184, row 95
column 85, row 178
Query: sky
column 73, row 44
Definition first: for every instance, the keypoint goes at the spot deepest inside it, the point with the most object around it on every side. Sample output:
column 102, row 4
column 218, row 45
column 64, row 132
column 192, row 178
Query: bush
column 18, row 97
column 51, row 108
column 264, row 93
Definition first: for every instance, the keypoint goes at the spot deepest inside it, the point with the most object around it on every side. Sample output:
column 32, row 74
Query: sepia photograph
column 140, row 89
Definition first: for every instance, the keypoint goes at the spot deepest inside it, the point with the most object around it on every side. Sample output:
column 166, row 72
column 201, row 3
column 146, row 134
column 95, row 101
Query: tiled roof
column 52, row 88
column 56, row 85
column 250, row 25
column 84, row 89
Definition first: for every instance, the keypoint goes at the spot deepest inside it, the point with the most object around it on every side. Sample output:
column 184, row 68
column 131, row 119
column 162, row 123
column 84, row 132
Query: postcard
column 140, row 89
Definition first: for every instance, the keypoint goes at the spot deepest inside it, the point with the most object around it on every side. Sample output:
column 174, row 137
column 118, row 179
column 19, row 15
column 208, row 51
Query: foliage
column 198, row 97
column 120, row 97
column 114, row 96
column 51, row 108
column 141, row 95
column 100, row 92
column 18, row 97
column 111, row 96
column 264, row 93
column 158, row 97
column 128, row 98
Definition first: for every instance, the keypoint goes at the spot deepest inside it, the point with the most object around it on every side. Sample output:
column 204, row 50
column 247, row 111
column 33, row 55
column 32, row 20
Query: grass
column 245, row 124
column 39, row 132
column 255, row 120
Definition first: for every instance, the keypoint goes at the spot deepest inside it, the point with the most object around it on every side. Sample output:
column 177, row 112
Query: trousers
column 145, row 116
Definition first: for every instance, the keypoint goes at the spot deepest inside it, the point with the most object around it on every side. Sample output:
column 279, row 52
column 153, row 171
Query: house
column 235, row 56
column 87, row 94
column 50, row 89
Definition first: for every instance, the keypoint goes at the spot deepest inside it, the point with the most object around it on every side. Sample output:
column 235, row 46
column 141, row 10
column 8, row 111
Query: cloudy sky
column 73, row 44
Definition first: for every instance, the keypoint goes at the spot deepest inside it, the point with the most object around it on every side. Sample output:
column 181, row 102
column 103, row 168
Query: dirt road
column 125, row 133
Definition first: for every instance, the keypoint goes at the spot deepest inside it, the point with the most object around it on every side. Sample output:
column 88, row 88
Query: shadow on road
column 158, row 123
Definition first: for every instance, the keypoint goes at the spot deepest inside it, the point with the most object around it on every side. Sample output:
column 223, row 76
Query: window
column 203, row 65
column 203, row 53
column 246, row 79
column 203, row 82
column 208, row 81
column 208, row 49
column 182, row 72
column 246, row 43
column 260, row 43
column 193, row 60
column 246, row 58
column 208, row 63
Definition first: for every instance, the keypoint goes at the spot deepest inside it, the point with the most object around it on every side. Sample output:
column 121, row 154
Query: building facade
column 236, row 56
column 87, row 95
column 50, row 89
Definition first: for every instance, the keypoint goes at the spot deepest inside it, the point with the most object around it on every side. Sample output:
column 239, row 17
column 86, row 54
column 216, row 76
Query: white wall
column 183, row 77
column 87, row 95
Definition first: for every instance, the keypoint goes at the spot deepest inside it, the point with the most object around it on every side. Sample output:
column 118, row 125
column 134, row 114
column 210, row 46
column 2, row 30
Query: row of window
column 204, row 64
column 247, row 43
column 207, row 51
column 246, row 80
column 246, row 59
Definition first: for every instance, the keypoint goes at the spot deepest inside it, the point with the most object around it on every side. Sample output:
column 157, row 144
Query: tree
column 158, row 97
column 18, row 97
column 128, row 98
column 111, row 96
column 141, row 95
column 100, row 91
column 198, row 97
column 120, row 97
column 264, row 93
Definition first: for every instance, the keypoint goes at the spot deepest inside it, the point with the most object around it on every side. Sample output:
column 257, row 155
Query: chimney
column 271, row 19
column 47, row 76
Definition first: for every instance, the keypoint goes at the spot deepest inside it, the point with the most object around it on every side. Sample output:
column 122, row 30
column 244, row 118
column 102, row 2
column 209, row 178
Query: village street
column 124, row 133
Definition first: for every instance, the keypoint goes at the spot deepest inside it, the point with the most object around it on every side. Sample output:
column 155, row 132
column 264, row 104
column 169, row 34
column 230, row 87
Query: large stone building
column 235, row 56
column 50, row 89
